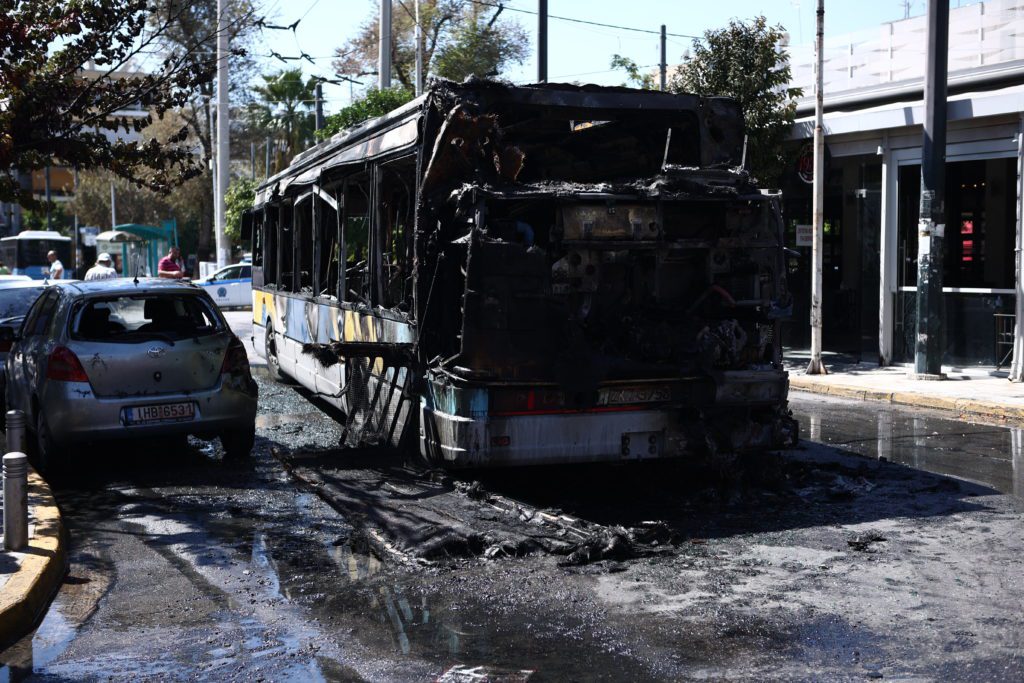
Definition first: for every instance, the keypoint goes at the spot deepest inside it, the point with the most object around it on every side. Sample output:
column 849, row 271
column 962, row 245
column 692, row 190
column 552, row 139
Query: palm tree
column 284, row 108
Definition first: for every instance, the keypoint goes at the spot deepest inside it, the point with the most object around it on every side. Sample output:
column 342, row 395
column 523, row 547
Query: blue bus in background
column 25, row 253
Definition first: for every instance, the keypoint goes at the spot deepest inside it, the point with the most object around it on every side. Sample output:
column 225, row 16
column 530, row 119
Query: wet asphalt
column 186, row 567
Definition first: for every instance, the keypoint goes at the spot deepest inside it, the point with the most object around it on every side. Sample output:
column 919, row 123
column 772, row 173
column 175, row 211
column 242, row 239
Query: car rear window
column 15, row 302
column 154, row 316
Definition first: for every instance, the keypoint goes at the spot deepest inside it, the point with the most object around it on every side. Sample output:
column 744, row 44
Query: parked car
column 112, row 359
column 230, row 286
column 17, row 294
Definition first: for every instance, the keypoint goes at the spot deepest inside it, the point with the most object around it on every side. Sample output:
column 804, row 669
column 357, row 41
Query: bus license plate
column 164, row 412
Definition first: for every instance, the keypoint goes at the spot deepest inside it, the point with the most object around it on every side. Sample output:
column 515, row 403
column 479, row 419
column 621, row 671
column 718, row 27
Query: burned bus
column 501, row 275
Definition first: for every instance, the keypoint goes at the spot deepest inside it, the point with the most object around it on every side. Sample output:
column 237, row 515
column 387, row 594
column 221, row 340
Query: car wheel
column 273, row 363
column 238, row 443
column 48, row 453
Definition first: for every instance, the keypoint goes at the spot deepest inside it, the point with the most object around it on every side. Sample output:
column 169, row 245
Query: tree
column 240, row 196
column 745, row 60
column 374, row 103
column 284, row 108
column 64, row 77
column 459, row 39
column 190, row 33
column 633, row 75
column 190, row 204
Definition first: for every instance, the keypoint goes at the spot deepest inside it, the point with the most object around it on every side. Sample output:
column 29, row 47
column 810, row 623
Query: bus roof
column 39, row 235
column 399, row 129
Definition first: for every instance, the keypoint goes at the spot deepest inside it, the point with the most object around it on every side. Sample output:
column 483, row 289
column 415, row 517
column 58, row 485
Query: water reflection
column 986, row 454
column 33, row 653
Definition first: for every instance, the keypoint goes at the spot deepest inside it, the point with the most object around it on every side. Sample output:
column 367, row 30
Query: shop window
column 978, row 257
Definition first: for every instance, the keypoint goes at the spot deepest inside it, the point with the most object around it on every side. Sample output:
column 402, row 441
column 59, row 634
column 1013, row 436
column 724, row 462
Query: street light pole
column 223, row 122
column 816, row 367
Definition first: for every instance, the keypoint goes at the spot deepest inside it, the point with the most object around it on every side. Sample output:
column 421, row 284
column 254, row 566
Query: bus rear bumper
column 466, row 442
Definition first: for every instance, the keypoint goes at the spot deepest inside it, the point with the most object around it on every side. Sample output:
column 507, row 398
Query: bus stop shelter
column 156, row 240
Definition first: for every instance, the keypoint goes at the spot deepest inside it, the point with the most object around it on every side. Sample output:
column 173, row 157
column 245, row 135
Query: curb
column 27, row 593
column 963, row 407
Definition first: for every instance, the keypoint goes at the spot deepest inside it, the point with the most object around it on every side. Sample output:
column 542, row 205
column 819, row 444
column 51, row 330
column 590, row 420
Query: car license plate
column 164, row 412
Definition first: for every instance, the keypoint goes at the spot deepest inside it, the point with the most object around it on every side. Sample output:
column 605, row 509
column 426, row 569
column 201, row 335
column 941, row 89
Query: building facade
column 873, row 125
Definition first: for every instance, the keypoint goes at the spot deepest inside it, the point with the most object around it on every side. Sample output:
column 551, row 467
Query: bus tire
column 273, row 362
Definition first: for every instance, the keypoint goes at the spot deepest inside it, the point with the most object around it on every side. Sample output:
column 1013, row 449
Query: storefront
column 872, row 197
column 873, row 89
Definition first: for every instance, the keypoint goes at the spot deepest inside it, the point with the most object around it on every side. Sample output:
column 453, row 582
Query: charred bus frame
column 520, row 275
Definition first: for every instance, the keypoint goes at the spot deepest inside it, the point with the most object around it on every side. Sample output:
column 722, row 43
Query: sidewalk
column 969, row 392
column 30, row 578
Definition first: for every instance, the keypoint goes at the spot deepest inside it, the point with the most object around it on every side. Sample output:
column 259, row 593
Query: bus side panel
column 297, row 320
column 330, row 381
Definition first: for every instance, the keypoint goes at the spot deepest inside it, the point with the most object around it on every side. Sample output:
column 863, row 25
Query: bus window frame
column 298, row 228
column 320, row 230
column 285, row 210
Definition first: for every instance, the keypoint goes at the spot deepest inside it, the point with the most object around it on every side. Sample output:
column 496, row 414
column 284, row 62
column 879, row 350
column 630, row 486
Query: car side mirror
column 8, row 334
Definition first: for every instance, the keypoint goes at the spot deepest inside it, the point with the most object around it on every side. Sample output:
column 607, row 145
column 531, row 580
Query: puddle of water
column 34, row 652
column 985, row 454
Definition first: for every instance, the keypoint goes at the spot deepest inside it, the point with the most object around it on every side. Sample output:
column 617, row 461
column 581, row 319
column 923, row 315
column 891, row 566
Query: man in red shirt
column 170, row 265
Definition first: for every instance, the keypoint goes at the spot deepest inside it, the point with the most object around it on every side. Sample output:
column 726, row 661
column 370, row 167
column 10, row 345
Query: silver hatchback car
column 119, row 359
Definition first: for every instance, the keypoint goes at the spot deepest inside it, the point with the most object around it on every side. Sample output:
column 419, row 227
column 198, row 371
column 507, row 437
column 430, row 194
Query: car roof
column 22, row 284
column 119, row 286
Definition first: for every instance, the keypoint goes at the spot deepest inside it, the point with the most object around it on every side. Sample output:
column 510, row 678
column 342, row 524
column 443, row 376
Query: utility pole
column 113, row 207
column 384, row 55
column 542, row 41
column 664, row 62
column 419, row 52
column 252, row 160
column 266, row 160
column 46, row 180
column 931, row 226
column 816, row 367
column 223, row 121
column 319, row 105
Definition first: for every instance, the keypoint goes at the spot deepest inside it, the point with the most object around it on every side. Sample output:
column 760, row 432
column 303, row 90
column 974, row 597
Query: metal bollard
column 15, row 501
column 16, row 436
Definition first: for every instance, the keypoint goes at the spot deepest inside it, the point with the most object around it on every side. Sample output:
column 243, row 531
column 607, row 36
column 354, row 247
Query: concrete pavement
column 968, row 392
column 30, row 578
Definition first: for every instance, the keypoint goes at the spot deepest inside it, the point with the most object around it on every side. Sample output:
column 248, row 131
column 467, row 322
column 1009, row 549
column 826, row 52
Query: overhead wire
column 501, row 5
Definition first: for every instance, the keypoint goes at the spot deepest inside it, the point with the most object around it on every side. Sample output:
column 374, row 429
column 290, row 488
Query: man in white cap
column 102, row 270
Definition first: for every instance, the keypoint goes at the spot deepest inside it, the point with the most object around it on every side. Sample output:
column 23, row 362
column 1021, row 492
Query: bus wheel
column 273, row 363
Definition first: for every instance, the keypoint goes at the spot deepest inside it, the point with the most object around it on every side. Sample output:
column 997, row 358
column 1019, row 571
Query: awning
column 118, row 237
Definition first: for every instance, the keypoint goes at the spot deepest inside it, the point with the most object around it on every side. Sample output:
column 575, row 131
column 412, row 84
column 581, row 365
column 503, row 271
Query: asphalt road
column 824, row 563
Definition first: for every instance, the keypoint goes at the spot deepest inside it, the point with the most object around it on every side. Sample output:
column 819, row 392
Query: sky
column 576, row 52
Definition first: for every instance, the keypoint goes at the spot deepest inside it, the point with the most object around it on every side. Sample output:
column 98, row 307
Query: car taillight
column 235, row 360
column 63, row 365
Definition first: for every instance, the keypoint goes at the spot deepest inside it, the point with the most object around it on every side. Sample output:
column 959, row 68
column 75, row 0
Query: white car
column 230, row 286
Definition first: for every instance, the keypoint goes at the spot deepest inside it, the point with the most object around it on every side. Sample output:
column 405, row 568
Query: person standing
column 102, row 270
column 170, row 266
column 56, row 271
